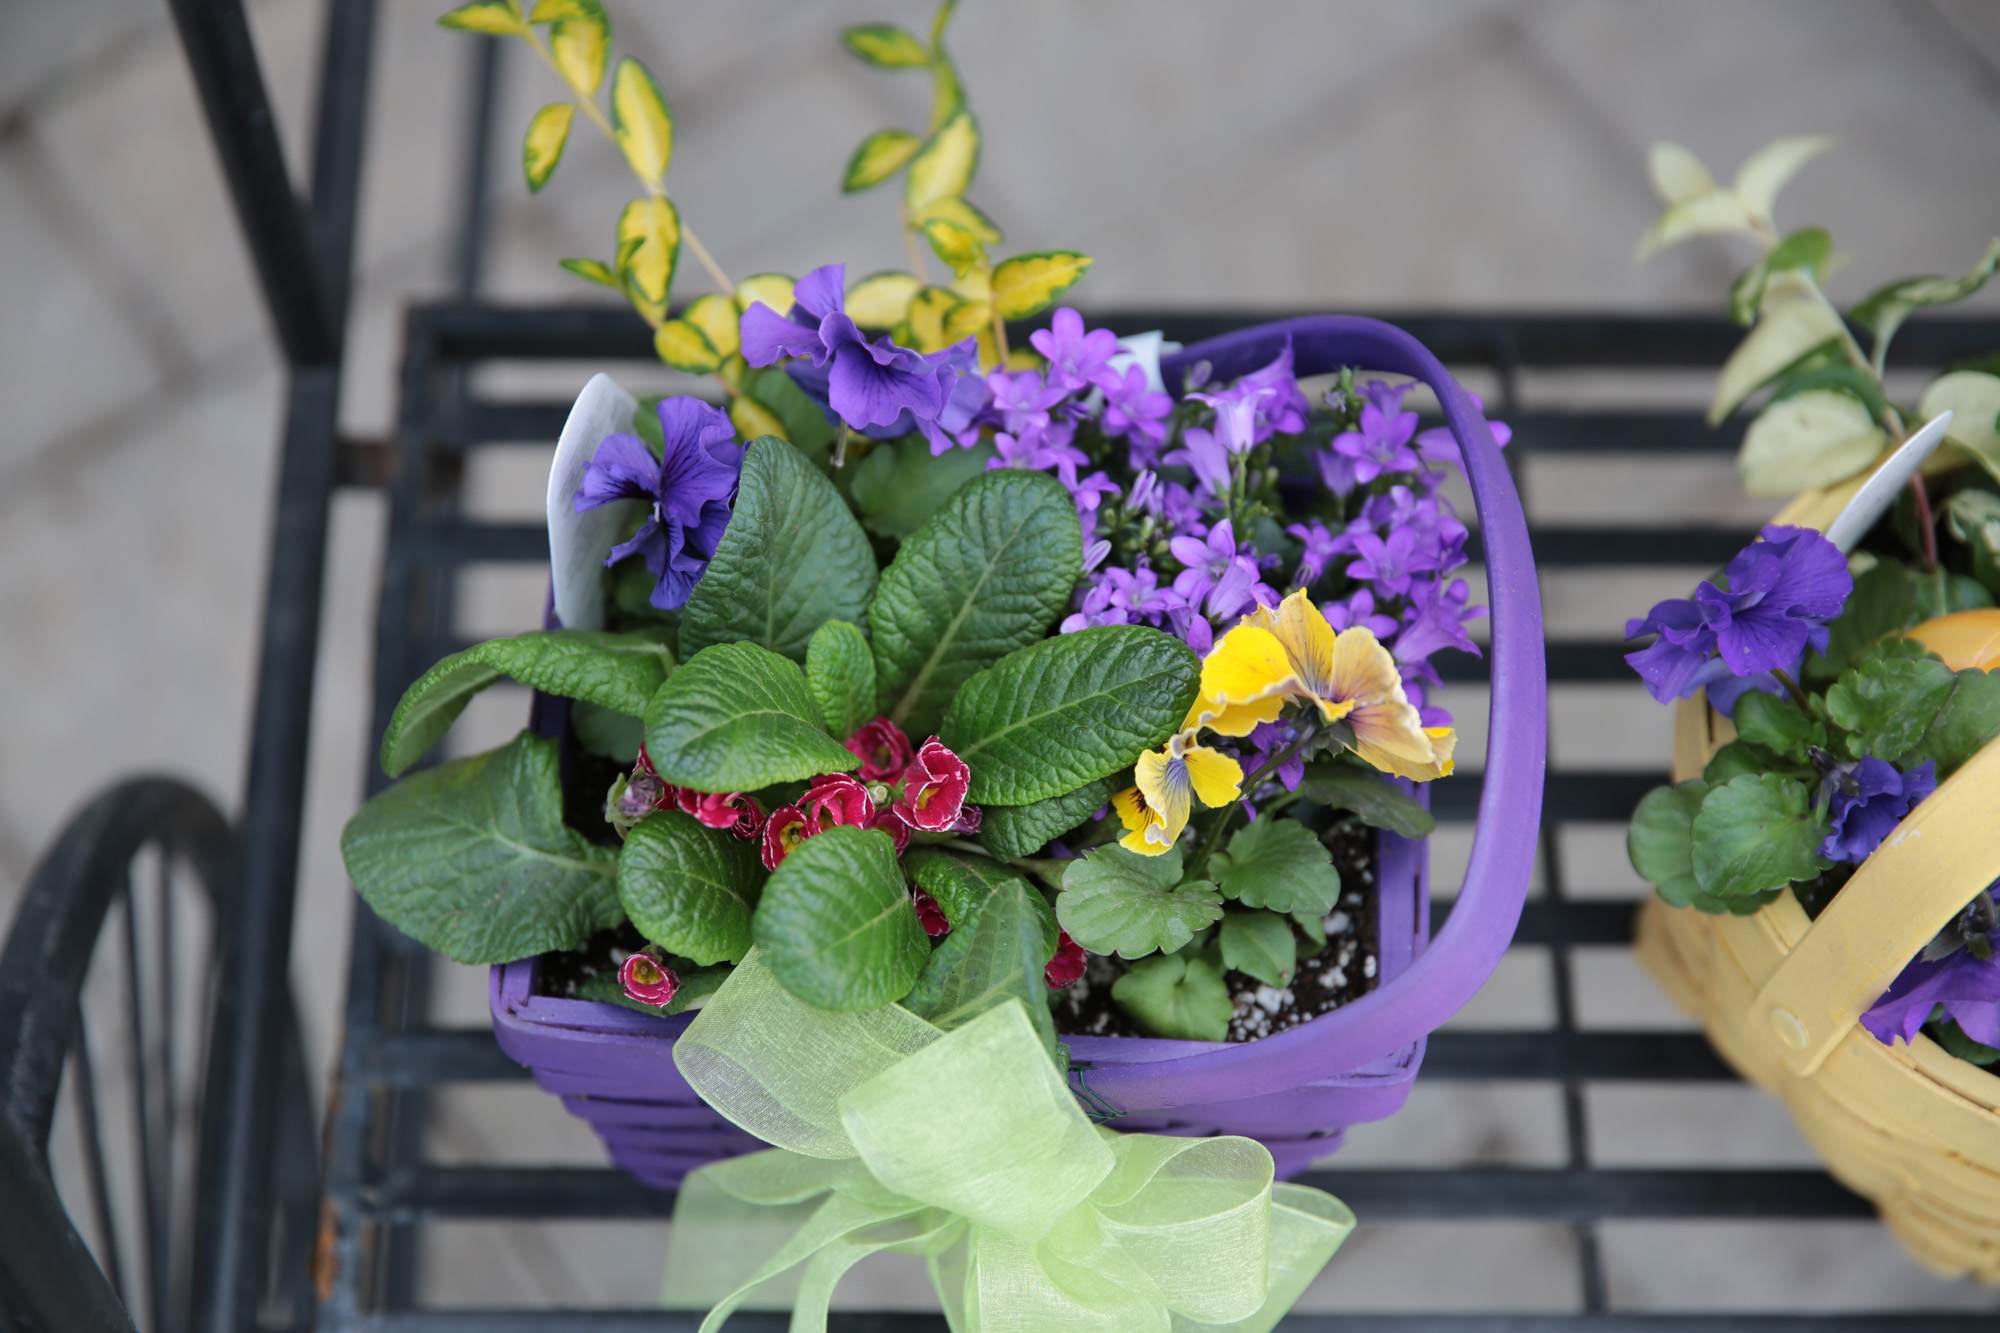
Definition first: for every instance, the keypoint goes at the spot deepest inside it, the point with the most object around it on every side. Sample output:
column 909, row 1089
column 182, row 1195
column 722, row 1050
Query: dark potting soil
column 1338, row 974
column 562, row 975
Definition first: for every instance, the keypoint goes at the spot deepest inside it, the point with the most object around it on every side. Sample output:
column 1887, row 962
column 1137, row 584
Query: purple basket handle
column 1481, row 925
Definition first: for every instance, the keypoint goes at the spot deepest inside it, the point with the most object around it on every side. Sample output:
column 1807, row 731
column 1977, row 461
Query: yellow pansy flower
column 1292, row 652
column 1156, row 810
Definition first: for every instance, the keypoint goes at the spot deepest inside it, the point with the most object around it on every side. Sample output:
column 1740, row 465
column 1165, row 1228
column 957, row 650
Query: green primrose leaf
column 995, row 956
column 1028, row 284
column 945, row 165
column 641, row 121
column 1661, row 840
column 1774, row 721
column 1260, row 944
column 1882, row 604
column 1885, row 309
column 791, row 559
column 1372, row 798
column 961, row 883
column 805, row 425
column 738, row 717
column 1117, row 901
column 838, row 924
column 1177, row 997
column 542, row 147
column 1279, row 864
column 472, row 858
column 1757, row 832
column 886, row 46
column 1887, row 702
column 593, row 270
column 880, row 156
column 986, row 574
column 1069, row 710
column 899, row 484
column 615, row 671
column 840, row 675
column 1965, row 725
column 498, row 17
column 1023, row 830
column 688, row 888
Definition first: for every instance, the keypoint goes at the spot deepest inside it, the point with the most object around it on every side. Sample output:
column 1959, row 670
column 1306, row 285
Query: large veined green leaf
column 962, row 883
column 737, row 717
column 792, row 559
column 837, row 924
column 472, row 858
column 688, row 888
column 992, row 958
column 615, row 671
column 1023, row 830
column 1070, row 710
column 988, row 573
column 840, row 674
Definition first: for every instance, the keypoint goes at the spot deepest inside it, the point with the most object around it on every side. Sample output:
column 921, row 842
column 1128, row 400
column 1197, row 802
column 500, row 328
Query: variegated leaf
column 715, row 315
column 954, row 209
column 502, row 18
column 954, row 244
column 684, row 347
column 924, row 327
column 542, row 146
column 752, row 419
column 1810, row 439
column 880, row 156
column 649, row 245
column 1028, row 284
column 641, row 120
column 881, row 300
column 886, row 46
column 1795, row 320
column 1973, row 398
column 965, row 320
column 593, row 270
column 773, row 289
column 1677, row 174
column 1765, row 171
column 1704, row 215
column 580, row 41
column 945, row 165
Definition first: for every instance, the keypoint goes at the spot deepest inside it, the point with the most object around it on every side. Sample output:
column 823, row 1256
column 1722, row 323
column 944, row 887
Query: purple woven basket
column 1296, row 1090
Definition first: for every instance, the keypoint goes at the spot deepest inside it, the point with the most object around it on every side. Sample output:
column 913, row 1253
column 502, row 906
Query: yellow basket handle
column 1922, row 875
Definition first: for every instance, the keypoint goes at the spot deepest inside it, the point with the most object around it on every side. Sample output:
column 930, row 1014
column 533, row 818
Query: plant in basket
column 1836, row 772
column 930, row 716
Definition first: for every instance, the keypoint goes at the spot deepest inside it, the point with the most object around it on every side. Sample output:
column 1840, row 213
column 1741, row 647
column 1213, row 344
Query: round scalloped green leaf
column 1279, row 864
column 1754, row 833
column 837, row 925
column 1070, row 710
column 1177, row 997
column 688, row 888
column 737, row 717
column 1117, row 901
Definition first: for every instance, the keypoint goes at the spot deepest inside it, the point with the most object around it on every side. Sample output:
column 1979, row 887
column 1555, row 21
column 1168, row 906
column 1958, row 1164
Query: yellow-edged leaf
column 1793, row 320
column 965, row 320
column 954, row 244
column 880, row 156
column 593, row 270
column 924, row 327
column 499, row 17
column 1029, row 284
column 684, row 347
column 953, row 208
column 881, row 300
column 581, row 43
column 989, row 350
column 752, row 419
column 945, row 165
column 542, row 146
column 975, row 284
column 773, row 289
column 886, row 46
column 731, row 371
column 715, row 315
column 649, row 245
column 641, row 120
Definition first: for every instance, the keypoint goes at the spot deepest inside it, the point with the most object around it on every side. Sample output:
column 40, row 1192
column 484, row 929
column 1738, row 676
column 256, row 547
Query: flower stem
column 1926, row 521
column 999, row 336
column 1215, row 830
column 707, row 261
column 1784, row 678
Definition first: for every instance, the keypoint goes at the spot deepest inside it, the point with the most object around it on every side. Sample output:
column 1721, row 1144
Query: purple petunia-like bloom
column 691, row 491
column 1077, row 360
column 875, row 387
column 1782, row 592
column 1869, row 799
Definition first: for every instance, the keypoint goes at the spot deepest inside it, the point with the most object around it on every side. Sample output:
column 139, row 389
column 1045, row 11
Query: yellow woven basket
column 1913, row 1128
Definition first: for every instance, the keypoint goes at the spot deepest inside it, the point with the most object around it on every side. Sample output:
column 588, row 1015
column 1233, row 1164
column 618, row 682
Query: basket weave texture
column 1912, row 1127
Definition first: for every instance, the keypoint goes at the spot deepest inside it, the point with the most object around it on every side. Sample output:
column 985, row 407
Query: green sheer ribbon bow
column 967, row 1148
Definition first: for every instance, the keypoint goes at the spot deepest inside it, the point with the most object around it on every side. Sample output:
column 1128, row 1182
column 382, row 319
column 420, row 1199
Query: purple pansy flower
column 691, row 491
column 1959, row 970
column 872, row 386
column 1077, row 360
column 1869, row 798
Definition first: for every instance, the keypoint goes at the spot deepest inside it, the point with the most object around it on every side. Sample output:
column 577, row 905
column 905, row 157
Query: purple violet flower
column 866, row 384
column 1077, row 360
column 1959, row 970
column 1869, row 798
column 691, row 492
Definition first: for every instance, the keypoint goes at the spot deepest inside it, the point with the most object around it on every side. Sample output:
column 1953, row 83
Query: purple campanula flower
column 1436, row 620
column 1336, row 471
column 1077, row 360
column 1267, row 741
column 1359, row 609
column 1088, row 492
column 1438, row 445
column 1320, row 547
column 1429, row 515
column 1134, row 409
column 1192, row 628
column 1041, row 451
column 1285, row 409
column 1094, row 555
column 1207, row 458
column 1391, row 563
column 1239, row 426
column 691, row 491
column 868, row 385
column 1382, row 444
column 1022, row 401
column 1868, row 799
